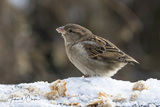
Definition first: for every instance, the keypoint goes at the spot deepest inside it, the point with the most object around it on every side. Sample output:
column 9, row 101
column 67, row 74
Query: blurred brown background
column 31, row 49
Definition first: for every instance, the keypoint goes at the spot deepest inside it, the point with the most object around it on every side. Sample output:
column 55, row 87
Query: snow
column 81, row 92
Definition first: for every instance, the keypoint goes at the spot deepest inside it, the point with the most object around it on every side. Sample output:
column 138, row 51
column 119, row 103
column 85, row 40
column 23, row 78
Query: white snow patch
column 80, row 91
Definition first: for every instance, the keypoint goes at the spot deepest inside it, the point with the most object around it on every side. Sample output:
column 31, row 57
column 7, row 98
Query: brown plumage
column 91, row 54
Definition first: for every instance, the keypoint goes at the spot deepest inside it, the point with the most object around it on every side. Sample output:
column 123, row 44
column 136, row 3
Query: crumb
column 53, row 94
column 94, row 102
column 103, row 100
column 3, row 98
column 120, row 97
column 71, row 104
column 54, row 85
column 134, row 95
column 140, row 85
column 102, row 94
column 34, row 90
column 111, row 95
column 108, row 103
column 74, row 104
column 60, row 87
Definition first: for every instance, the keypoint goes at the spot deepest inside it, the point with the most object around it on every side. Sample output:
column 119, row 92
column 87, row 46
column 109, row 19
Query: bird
column 93, row 55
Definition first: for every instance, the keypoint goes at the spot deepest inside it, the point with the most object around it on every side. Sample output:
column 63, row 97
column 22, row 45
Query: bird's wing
column 101, row 49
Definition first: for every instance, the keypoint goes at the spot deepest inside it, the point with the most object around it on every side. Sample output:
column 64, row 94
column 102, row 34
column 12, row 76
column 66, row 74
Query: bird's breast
column 79, row 57
column 76, row 53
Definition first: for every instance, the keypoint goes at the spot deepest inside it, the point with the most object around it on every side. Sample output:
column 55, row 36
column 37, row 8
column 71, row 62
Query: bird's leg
column 85, row 76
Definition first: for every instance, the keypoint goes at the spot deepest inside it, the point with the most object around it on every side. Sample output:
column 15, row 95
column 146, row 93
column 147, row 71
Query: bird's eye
column 70, row 31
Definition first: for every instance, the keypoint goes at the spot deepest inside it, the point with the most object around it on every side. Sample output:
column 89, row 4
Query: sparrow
column 91, row 54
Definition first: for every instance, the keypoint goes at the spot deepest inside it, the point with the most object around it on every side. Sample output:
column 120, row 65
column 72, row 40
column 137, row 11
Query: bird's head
column 73, row 33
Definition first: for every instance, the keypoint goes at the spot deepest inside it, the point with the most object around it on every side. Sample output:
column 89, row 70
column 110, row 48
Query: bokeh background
column 31, row 49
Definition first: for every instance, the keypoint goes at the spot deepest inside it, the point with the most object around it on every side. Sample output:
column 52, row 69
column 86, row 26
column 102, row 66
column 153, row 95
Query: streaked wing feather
column 105, row 50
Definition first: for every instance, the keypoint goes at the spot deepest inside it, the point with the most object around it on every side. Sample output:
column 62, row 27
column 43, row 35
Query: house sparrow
column 91, row 54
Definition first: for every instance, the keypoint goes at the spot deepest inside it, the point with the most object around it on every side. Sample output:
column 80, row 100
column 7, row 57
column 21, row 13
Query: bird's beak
column 61, row 30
